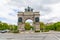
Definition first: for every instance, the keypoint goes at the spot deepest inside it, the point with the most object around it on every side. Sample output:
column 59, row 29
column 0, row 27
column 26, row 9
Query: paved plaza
column 30, row 36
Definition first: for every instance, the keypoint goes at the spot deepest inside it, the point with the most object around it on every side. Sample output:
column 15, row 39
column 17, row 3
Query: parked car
column 0, row 31
column 4, row 31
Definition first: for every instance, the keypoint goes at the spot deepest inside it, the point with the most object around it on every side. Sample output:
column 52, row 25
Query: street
column 30, row 36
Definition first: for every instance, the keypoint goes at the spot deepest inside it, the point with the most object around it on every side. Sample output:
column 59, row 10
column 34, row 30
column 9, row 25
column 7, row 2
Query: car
column 4, row 31
column 0, row 31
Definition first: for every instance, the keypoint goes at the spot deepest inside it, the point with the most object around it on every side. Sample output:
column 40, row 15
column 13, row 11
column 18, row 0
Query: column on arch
column 21, row 23
column 36, row 23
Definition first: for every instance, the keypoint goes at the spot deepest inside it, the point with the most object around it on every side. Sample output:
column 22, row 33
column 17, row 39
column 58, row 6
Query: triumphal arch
column 28, row 14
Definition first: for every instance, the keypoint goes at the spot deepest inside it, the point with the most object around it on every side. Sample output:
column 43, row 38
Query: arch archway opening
column 29, row 21
column 31, row 26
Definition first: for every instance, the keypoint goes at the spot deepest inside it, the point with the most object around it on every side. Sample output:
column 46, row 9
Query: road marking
column 56, row 37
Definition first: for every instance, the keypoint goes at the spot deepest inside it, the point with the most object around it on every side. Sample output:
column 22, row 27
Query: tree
column 27, row 26
column 42, row 26
column 5, row 26
column 57, row 26
column 15, row 27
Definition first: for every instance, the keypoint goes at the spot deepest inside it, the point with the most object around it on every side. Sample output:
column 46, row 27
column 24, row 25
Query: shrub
column 16, row 31
column 37, row 31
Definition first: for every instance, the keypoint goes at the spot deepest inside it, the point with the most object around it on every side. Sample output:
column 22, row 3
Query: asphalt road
column 30, row 36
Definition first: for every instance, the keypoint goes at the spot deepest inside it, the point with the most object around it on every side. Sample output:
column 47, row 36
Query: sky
column 49, row 9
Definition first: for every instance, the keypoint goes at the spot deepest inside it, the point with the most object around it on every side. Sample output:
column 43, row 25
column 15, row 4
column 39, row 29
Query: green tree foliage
column 49, row 27
column 1, row 26
column 42, row 26
column 10, row 27
column 4, row 26
column 56, row 26
column 32, row 27
column 27, row 26
column 13, row 28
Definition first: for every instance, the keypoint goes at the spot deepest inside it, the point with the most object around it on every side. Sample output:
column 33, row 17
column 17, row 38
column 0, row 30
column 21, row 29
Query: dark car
column 4, row 31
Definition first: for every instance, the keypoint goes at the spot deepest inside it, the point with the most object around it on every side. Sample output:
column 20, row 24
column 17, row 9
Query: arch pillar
column 21, row 26
column 37, row 26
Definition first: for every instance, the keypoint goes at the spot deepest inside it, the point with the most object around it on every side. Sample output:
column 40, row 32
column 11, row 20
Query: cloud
column 5, row 10
column 50, row 1
column 49, row 9
column 53, row 15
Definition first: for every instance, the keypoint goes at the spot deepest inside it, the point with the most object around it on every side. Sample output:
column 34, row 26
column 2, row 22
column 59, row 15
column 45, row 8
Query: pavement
column 30, row 36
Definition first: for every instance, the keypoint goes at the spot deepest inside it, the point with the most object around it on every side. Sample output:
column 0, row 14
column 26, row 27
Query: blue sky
column 49, row 9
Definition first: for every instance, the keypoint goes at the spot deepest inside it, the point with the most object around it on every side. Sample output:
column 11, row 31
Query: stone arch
column 29, row 14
